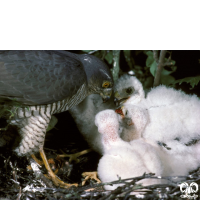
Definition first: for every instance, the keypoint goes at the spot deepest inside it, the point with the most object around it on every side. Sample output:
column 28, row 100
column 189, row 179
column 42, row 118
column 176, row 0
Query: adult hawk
column 38, row 84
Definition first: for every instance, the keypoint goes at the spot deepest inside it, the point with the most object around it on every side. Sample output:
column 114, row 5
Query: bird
column 123, row 159
column 34, row 85
column 84, row 116
column 168, row 118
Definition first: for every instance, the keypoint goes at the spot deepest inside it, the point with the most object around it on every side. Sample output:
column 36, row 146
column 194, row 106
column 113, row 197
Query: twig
column 160, row 64
column 115, row 69
column 155, row 55
column 159, row 67
column 20, row 193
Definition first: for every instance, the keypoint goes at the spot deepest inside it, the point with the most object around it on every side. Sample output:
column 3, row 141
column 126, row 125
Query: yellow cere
column 117, row 95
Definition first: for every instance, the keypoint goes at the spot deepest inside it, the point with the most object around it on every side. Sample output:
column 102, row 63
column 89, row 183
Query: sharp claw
column 51, row 174
column 90, row 175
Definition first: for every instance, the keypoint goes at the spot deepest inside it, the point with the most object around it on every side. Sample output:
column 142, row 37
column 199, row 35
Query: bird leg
column 86, row 175
column 50, row 161
column 39, row 175
column 54, row 178
column 90, row 175
column 73, row 157
column 37, row 160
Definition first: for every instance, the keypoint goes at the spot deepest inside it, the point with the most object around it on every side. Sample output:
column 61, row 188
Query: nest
column 19, row 182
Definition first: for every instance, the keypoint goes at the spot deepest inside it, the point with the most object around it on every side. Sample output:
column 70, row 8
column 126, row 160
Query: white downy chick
column 123, row 159
column 173, row 115
column 129, row 90
column 173, row 164
column 169, row 118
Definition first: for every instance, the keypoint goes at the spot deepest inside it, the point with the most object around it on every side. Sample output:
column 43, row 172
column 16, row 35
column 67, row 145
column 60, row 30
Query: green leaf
column 87, row 51
column 109, row 57
column 151, row 63
column 149, row 53
column 167, row 72
column 167, row 79
column 191, row 80
column 172, row 61
column 153, row 68
column 52, row 123
column 27, row 108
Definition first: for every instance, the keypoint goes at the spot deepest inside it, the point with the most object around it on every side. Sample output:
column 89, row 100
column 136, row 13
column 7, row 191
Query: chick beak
column 120, row 112
column 119, row 102
column 106, row 94
column 116, row 101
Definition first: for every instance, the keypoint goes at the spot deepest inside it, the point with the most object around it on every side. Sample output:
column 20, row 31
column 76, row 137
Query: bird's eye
column 129, row 90
column 126, row 112
column 106, row 84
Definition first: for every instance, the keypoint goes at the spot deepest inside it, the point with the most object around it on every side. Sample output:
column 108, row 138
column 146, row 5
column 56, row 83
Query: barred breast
column 33, row 121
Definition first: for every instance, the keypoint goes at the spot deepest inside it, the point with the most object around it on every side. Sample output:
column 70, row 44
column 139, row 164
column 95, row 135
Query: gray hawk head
column 99, row 78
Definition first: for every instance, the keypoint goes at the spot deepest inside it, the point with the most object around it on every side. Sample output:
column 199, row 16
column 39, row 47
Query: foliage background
column 183, row 74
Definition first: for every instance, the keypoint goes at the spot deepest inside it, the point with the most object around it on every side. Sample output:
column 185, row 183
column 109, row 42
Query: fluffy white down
column 123, row 159
column 169, row 118
column 179, row 160
column 166, row 117
column 171, row 115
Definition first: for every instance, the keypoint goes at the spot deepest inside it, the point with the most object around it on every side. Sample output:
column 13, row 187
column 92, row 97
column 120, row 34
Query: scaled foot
column 90, row 175
column 74, row 157
column 51, row 174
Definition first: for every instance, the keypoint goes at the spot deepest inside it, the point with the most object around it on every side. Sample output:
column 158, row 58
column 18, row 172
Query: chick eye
column 126, row 112
column 129, row 90
column 106, row 84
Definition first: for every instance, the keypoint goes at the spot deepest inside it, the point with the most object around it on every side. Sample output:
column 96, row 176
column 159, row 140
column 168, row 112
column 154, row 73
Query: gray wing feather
column 39, row 77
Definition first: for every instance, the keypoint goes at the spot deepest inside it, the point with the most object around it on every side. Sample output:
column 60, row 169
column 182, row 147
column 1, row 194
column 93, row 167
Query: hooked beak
column 106, row 94
column 119, row 102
